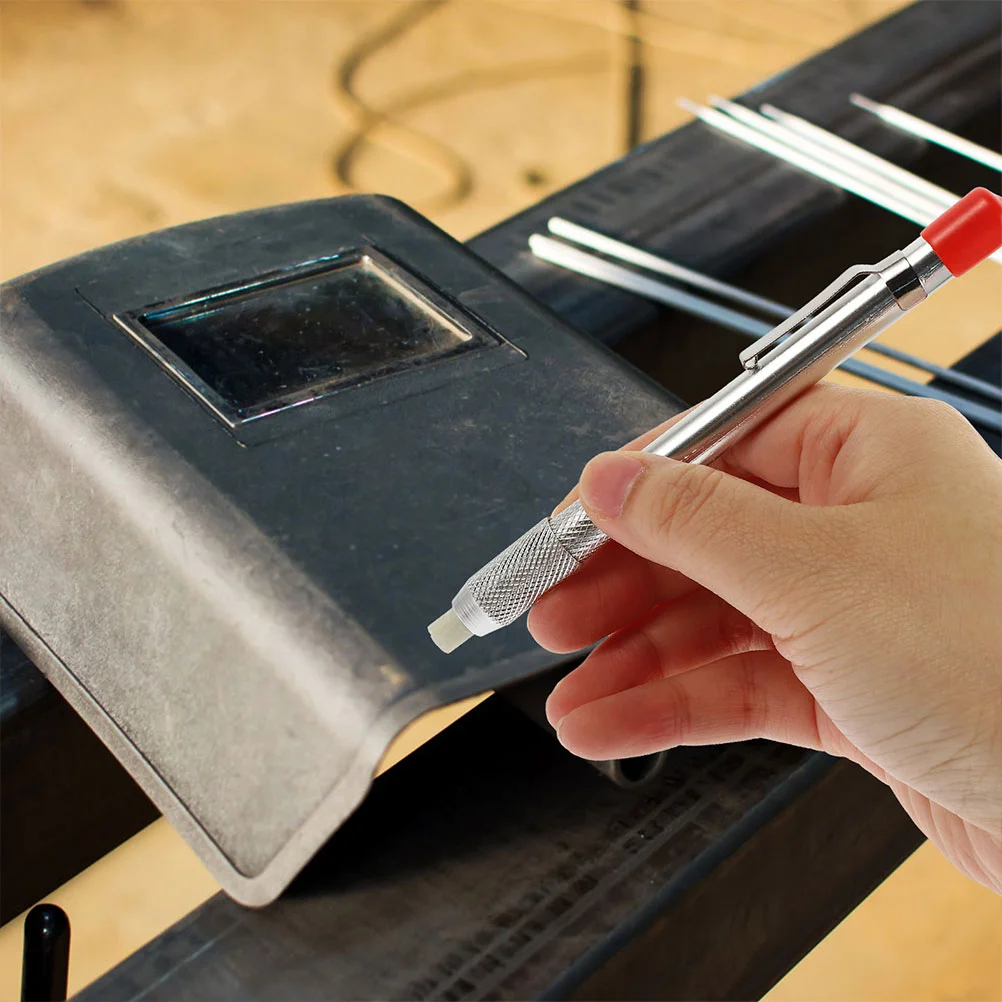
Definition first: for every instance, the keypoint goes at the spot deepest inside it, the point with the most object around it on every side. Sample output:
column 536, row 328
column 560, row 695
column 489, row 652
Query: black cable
column 635, row 73
column 365, row 48
column 461, row 183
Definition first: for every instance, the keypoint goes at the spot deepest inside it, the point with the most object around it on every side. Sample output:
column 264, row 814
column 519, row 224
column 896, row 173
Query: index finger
column 853, row 442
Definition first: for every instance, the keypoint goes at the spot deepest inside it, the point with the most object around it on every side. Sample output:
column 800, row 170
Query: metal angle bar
column 583, row 263
column 926, row 130
column 586, row 237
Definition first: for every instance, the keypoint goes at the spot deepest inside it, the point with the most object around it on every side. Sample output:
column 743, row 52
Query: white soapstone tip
column 448, row 632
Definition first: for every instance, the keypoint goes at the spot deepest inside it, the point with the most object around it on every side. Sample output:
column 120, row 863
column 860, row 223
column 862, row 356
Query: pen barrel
column 784, row 373
column 508, row 586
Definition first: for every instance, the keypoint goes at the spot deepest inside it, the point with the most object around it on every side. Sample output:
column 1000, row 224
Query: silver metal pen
column 855, row 308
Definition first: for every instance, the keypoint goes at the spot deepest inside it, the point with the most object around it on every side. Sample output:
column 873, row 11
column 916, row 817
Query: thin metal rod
column 583, row 263
column 926, row 130
column 783, row 151
column 652, row 262
column 863, row 160
column 548, row 249
column 960, row 379
column 787, row 147
column 831, row 158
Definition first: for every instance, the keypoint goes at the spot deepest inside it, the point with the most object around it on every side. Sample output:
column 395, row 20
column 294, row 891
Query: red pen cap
column 967, row 232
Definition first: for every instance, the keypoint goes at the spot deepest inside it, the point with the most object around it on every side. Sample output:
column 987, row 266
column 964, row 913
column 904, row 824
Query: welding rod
column 921, row 203
column 778, row 144
column 583, row 263
column 783, row 151
column 926, row 130
column 855, row 160
column 652, row 262
column 812, row 133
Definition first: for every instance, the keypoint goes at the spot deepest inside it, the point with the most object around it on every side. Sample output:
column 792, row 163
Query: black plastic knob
column 46, row 961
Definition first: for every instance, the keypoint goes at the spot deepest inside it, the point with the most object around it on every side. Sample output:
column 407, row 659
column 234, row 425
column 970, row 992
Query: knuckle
column 750, row 701
column 675, row 716
column 922, row 432
column 926, row 413
column 685, row 501
column 738, row 634
column 933, row 412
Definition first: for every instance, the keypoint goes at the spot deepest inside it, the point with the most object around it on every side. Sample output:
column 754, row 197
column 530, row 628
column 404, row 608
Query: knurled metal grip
column 509, row 585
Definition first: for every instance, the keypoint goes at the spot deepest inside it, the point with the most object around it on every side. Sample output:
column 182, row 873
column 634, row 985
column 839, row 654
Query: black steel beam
column 492, row 865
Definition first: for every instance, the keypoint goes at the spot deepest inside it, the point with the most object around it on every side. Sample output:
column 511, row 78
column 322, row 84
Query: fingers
column 878, row 438
column 837, row 445
column 755, row 550
column 724, row 464
column 692, row 631
column 753, row 695
column 612, row 589
column 807, row 431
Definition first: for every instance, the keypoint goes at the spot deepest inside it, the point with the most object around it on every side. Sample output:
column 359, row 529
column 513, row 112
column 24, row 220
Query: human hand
column 834, row 582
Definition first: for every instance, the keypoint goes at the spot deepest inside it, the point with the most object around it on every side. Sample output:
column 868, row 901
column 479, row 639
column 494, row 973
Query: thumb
column 757, row 551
